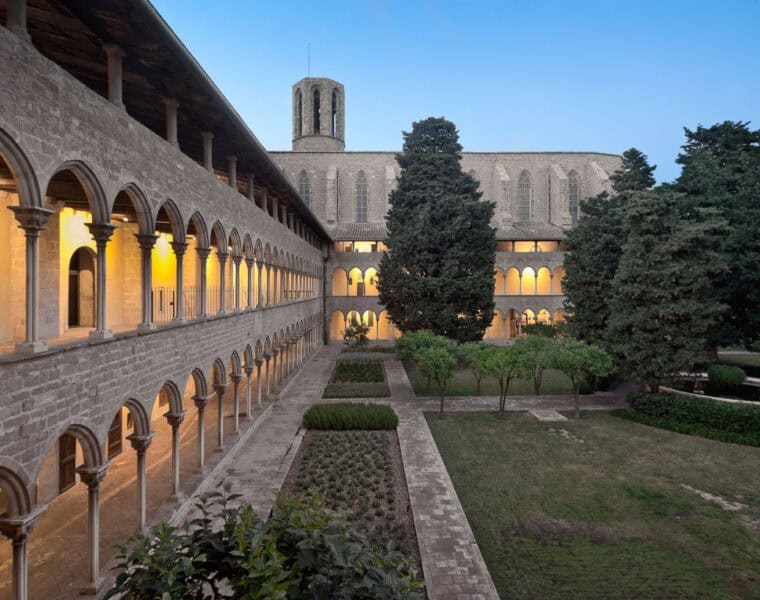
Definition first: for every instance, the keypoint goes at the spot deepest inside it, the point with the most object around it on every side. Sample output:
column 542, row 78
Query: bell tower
column 319, row 115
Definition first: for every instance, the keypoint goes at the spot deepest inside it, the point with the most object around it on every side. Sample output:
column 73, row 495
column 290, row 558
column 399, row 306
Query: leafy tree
column 662, row 306
column 505, row 364
column 542, row 329
column 536, row 353
column 635, row 174
column 409, row 346
column 595, row 246
column 439, row 363
column 438, row 274
column 355, row 335
column 579, row 361
column 721, row 170
column 473, row 354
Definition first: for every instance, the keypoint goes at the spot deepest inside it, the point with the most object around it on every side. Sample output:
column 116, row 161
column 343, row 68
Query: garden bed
column 357, row 379
column 750, row 393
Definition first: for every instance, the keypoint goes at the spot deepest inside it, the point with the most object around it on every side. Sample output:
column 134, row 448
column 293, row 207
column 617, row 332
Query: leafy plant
column 350, row 415
column 723, row 375
column 579, row 361
column 473, row 354
column 355, row 335
column 359, row 371
column 437, row 363
column 536, row 351
column 505, row 364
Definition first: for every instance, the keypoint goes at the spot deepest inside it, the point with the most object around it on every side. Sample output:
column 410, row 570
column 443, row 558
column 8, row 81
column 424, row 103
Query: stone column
column 32, row 220
column 175, row 421
column 269, row 284
column 275, row 366
column 274, row 278
column 259, row 291
column 179, row 254
column 236, row 379
column 115, row 76
column 249, row 268
column 146, row 242
column 16, row 20
column 17, row 529
column 101, row 233
column 140, row 444
column 232, row 171
column 258, row 362
column 222, row 277
column 91, row 477
column 267, row 387
column 203, row 256
column 248, row 391
column 171, row 121
column 250, row 196
column 200, row 403
column 220, row 388
column 208, row 150
column 237, row 260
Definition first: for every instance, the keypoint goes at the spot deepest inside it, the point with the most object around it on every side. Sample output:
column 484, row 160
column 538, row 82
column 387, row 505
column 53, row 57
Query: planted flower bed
column 357, row 379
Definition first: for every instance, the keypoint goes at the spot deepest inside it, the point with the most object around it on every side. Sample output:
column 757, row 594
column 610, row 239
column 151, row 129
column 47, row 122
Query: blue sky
column 527, row 75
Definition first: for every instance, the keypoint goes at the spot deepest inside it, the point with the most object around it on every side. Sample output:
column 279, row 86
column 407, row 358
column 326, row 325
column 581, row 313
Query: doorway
column 82, row 288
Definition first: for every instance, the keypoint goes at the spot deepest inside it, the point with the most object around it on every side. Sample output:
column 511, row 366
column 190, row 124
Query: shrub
column 355, row 335
column 728, row 422
column 350, row 415
column 726, row 375
column 755, row 346
column 542, row 329
column 302, row 551
column 361, row 371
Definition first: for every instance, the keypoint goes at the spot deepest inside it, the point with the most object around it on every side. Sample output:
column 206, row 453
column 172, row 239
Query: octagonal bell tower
column 319, row 115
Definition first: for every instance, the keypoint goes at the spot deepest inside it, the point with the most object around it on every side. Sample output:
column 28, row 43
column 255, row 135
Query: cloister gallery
column 163, row 275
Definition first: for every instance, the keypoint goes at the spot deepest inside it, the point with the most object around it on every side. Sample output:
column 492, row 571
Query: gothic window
column 299, row 114
column 573, row 193
column 362, row 194
column 315, row 109
column 304, row 188
column 334, row 120
column 524, row 198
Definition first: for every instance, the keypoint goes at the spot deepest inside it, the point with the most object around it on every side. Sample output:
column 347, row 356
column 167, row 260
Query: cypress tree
column 438, row 274
column 635, row 174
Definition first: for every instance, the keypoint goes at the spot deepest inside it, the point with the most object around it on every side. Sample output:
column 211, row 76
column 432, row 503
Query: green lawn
column 751, row 359
column 463, row 384
column 606, row 518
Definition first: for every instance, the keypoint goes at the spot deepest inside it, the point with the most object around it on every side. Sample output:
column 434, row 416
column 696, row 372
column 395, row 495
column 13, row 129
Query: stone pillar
column 171, row 121
column 250, row 196
column 274, row 278
column 140, row 444
column 179, row 305
column 222, row 277
column 200, row 403
column 101, row 233
column 249, row 269
column 175, row 421
column 275, row 366
column 220, row 388
column 236, row 379
column 17, row 529
column 203, row 256
column 146, row 242
column 258, row 362
column 248, row 391
column 208, row 150
column 115, row 76
column 16, row 22
column 91, row 477
column 267, row 387
column 237, row 260
column 269, row 284
column 232, row 171
column 259, row 291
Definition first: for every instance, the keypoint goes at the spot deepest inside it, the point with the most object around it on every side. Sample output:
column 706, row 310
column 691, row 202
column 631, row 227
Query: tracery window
column 304, row 188
column 362, row 194
column 334, row 120
column 315, row 107
column 299, row 114
column 524, row 198
column 572, row 191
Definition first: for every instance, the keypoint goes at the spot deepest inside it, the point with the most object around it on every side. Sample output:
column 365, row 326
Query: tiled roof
column 530, row 231
column 358, row 231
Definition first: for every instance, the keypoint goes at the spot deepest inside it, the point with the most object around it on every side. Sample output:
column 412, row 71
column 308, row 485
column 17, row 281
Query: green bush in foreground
column 726, row 375
column 359, row 371
column 350, row 415
column 302, row 551
column 723, row 421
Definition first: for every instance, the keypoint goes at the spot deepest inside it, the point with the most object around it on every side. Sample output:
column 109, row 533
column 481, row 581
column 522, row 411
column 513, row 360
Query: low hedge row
column 736, row 423
column 350, row 415
column 364, row 372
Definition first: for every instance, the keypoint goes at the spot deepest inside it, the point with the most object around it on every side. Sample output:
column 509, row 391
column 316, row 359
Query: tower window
column 334, row 121
column 572, row 190
column 315, row 121
column 524, row 198
column 304, row 188
column 299, row 114
column 362, row 194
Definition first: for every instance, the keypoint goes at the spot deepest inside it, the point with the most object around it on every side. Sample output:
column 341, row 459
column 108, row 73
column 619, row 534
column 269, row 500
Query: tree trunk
column 577, row 402
column 441, row 410
column 477, row 386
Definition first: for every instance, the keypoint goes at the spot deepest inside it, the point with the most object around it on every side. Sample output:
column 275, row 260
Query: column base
column 100, row 335
column 145, row 327
column 179, row 320
column 20, row 32
column 92, row 588
column 32, row 347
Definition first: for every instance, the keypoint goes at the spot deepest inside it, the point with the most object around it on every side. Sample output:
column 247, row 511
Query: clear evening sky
column 528, row 75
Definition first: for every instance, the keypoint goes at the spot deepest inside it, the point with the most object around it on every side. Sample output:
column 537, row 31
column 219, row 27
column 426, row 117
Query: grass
column 463, row 384
column 750, row 359
column 362, row 372
column 357, row 379
column 350, row 415
column 609, row 517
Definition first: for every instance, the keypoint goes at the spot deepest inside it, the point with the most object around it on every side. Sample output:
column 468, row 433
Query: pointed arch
column 304, row 188
column 15, row 485
column 248, row 355
column 199, row 379
column 524, row 198
column 21, row 170
column 362, row 197
column 299, row 113
column 91, row 186
column 248, row 247
column 196, row 226
column 235, row 363
column 315, row 124
column 175, row 220
column 573, row 195
column 219, row 373
column 234, row 243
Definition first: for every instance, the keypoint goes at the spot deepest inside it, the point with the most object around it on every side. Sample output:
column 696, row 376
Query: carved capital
column 258, row 362
column 249, row 262
column 101, row 232
column 141, row 443
column 220, row 388
column 200, row 402
column 179, row 248
column 248, row 370
column 175, row 419
column 16, row 528
column 92, row 476
column 222, row 256
column 203, row 253
column 236, row 377
column 146, row 240
column 32, row 219
column 236, row 260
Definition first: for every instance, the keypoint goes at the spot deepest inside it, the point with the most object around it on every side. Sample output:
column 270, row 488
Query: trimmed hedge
column 723, row 421
column 359, row 371
column 350, row 415
column 726, row 375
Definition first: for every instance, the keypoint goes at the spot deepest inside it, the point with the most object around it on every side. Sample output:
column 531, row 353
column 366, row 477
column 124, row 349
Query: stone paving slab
column 547, row 415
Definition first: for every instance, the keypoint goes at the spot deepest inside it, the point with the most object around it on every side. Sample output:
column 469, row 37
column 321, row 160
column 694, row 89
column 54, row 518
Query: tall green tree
column 438, row 274
column 535, row 353
column 721, row 170
column 662, row 306
column 635, row 174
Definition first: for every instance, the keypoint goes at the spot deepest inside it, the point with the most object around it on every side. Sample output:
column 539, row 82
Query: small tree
column 536, row 351
column 412, row 342
column 505, row 364
column 473, row 354
column 542, row 329
column 355, row 335
column 579, row 360
column 437, row 362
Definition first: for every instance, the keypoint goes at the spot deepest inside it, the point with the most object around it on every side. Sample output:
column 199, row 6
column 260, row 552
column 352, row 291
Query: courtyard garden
column 358, row 378
column 600, row 507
